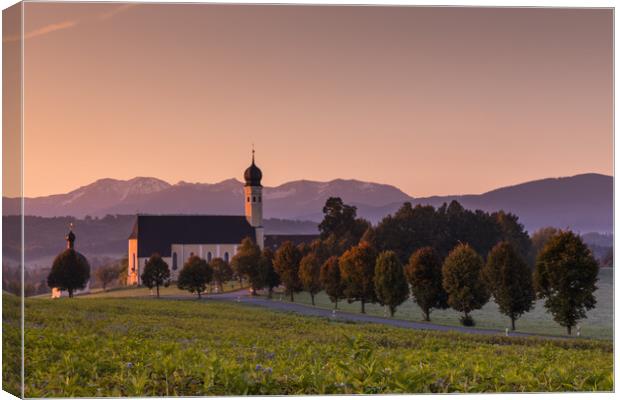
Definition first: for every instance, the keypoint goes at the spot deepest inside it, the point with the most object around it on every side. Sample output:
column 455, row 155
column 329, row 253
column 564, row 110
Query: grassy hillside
column 135, row 347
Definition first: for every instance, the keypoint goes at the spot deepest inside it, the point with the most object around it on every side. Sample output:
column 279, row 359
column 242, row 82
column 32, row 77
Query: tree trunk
column 157, row 286
column 392, row 311
column 71, row 295
column 253, row 292
column 427, row 315
column 363, row 307
column 569, row 329
column 292, row 297
column 199, row 295
column 512, row 323
column 312, row 297
column 240, row 281
column 270, row 293
column 336, row 305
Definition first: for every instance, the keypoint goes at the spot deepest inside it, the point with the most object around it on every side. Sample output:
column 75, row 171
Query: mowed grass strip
column 138, row 347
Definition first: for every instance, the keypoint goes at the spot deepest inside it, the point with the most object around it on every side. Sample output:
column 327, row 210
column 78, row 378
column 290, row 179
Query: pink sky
column 431, row 100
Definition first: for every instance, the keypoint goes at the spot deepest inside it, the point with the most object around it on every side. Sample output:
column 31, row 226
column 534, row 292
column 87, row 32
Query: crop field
column 137, row 347
column 599, row 323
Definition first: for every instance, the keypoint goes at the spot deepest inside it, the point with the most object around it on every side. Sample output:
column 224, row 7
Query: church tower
column 253, row 198
column 253, row 194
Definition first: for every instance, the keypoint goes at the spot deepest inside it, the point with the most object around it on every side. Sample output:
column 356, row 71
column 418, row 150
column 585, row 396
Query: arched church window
column 226, row 256
column 259, row 199
column 248, row 199
column 133, row 263
column 174, row 261
column 209, row 256
column 254, row 199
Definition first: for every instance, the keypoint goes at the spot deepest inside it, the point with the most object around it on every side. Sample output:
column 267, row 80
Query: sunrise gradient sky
column 431, row 100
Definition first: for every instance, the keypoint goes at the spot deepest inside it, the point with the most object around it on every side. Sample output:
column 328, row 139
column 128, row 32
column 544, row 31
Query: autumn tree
column 423, row 273
column 357, row 270
column 565, row 276
column 509, row 280
column 271, row 277
column 70, row 271
column 309, row 272
column 330, row 280
column 390, row 285
column 222, row 272
column 286, row 264
column 156, row 273
column 463, row 282
column 195, row 275
column 246, row 263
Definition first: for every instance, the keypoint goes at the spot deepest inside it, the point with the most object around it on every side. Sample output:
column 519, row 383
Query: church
column 177, row 237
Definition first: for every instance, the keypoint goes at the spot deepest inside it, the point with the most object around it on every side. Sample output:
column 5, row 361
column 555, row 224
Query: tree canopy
column 390, row 285
column 286, row 264
column 70, row 271
column 246, row 263
column 309, row 272
column 331, row 281
column 463, row 282
column 565, row 276
column 423, row 273
column 156, row 273
column 357, row 270
column 509, row 280
column 195, row 275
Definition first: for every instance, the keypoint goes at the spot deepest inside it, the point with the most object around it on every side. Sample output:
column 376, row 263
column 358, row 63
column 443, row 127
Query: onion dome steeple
column 70, row 237
column 253, row 174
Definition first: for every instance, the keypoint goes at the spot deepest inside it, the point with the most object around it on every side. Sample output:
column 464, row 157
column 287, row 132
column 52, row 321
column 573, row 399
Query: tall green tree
column 222, row 272
column 357, row 270
column 70, row 271
column 565, row 276
column 246, row 263
column 309, row 272
column 463, row 282
column 509, row 280
column 340, row 228
column 195, row 275
column 330, row 280
column 423, row 273
column 271, row 277
column 513, row 232
column 286, row 264
column 390, row 285
column 156, row 273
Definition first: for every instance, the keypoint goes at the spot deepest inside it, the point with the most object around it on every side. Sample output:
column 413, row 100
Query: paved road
column 243, row 296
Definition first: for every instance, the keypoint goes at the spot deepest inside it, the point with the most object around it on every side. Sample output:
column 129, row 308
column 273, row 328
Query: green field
column 599, row 323
column 135, row 347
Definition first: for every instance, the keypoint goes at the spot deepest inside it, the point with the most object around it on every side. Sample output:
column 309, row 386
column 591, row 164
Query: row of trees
column 564, row 271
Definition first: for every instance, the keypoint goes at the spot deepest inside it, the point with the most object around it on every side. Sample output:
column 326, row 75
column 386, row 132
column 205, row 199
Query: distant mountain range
column 583, row 203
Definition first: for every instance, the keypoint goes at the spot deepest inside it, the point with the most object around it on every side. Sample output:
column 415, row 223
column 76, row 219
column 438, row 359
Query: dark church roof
column 275, row 241
column 156, row 233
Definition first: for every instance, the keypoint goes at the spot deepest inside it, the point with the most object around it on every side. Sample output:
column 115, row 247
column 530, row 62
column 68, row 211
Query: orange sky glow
column 432, row 100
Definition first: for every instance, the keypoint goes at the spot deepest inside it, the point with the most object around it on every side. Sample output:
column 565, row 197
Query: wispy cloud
column 116, row 10
column 43, row 30
column 67, row 24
